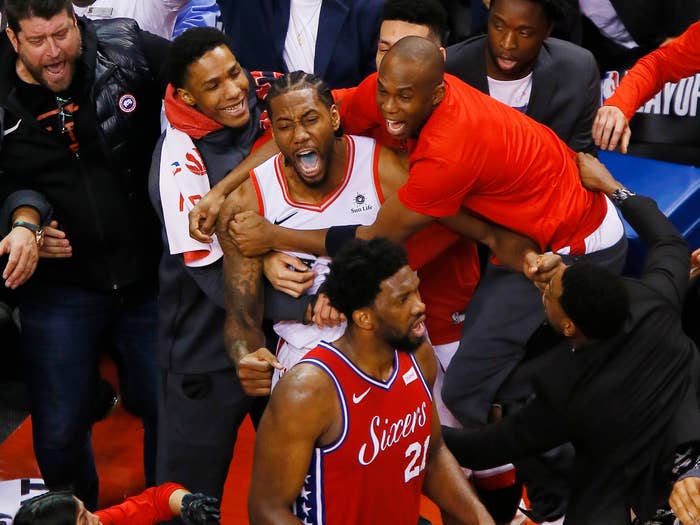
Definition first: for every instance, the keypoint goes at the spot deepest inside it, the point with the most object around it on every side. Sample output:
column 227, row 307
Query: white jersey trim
column 385, row 385
column 282, row 181
column 326, row 449
column 422, row 378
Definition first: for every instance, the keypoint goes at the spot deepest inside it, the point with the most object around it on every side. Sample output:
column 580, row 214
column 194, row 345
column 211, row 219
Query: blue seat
column 676, row 189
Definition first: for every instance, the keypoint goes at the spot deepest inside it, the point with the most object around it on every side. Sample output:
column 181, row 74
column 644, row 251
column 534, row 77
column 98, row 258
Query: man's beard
column 38, row 72
column 407, row 343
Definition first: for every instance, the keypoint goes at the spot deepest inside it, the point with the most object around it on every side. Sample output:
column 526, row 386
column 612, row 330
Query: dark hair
column 358, row 270
column 554, row 10
column 16, row 10
column 51, row 508
column 189, row 47
column 296, row 81
column 595, row 299
column 428, row 13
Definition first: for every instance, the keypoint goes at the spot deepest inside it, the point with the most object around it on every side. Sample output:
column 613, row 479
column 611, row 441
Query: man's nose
column 509, row 40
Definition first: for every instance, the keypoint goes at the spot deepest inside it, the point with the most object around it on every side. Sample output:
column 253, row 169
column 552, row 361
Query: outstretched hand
column 611, row 128
column 199, row 509
column 203, row 216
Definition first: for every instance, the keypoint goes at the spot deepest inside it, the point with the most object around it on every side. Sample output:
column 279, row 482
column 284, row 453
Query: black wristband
column 337, row 236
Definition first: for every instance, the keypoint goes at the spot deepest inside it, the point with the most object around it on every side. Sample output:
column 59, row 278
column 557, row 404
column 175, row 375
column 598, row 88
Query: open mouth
column 308, row 161
column 57, row 69
column 236, row 110
column 418, row 328
column 506, row 64
column 396, row 127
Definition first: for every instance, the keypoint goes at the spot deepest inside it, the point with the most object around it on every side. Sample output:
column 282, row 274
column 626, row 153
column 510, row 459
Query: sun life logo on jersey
column 360, row 204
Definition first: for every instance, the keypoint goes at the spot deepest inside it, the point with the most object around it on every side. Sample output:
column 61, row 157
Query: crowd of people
column 398, row 257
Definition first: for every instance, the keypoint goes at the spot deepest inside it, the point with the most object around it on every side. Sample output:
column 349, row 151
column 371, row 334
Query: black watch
column 620, row 195
column 38, row 231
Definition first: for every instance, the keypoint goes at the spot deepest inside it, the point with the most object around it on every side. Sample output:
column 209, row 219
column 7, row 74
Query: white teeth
column 394, row 125
column 235, row 107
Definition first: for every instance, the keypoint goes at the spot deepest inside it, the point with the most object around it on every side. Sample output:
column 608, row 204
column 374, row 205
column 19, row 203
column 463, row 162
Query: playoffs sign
column 670, row 117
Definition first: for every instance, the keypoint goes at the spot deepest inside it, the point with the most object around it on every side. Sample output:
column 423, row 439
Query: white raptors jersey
column 356, row 200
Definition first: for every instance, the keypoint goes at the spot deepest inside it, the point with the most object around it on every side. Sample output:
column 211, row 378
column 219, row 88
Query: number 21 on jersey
column 417, row 454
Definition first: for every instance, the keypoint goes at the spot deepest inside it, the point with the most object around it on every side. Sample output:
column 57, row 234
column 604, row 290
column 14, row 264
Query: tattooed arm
column 243, row 290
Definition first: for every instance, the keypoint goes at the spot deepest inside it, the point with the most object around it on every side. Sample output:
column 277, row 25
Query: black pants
column 198, row 420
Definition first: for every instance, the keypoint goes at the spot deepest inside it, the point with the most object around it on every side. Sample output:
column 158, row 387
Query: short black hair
column 430, row 13
column 16, row 10
column 189, row 47
column 358, row 270
column 554, row 10
column 297, row 81
column 51, row 508
column 595, row 299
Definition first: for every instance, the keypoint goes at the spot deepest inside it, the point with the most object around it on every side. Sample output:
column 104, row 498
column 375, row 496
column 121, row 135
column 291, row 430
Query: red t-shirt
column 447, row 263
column 478, row 153
column 670, row 63
column 148, row 508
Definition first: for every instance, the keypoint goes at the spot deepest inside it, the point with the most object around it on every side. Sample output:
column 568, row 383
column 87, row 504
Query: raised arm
column 667, row 263
column 669, row 63
column 254, row 235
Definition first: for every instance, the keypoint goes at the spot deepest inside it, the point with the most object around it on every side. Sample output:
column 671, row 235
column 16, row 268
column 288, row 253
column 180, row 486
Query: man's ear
column 363, row 318
column 186, row 97
column 335, row 117
column 13, row 39
column 443, row 51
column 438, row 94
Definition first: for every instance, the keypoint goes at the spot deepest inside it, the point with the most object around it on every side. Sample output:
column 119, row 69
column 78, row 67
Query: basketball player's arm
column 204, row 214
column 301, row 410
column 254, row 236
column 244, row 340
column 445, row 482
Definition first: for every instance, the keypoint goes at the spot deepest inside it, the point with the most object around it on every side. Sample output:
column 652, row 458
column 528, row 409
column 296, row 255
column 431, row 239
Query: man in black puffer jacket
column 79, row 107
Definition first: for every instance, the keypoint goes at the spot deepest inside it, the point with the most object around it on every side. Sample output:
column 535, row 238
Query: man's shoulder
column 306, row 382
column 467, row 61
column 465, row 53
column 112, row 29
column 566, row 55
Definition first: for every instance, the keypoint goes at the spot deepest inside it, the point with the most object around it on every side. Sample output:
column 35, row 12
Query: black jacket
column 649, row 22
column 565, row 106
column 191, row 300
column 625, row 403
column 98, row 195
